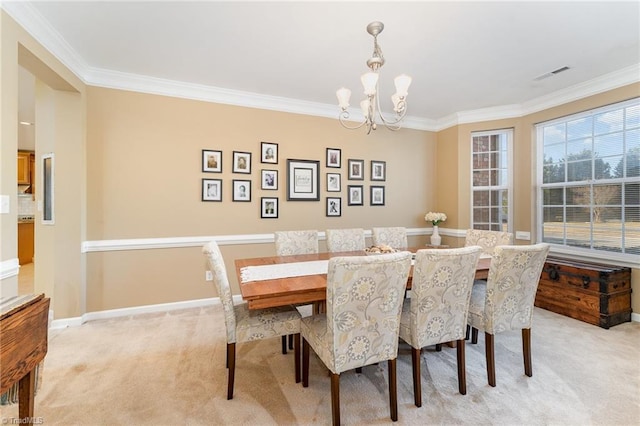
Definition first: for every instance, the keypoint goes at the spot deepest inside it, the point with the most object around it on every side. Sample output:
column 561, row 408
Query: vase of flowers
column 435, row 219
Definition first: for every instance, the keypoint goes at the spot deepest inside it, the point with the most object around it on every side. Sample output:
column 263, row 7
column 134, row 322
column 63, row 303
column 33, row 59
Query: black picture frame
column 211, row 189
column 269, row 179
column 334, row 158
column 211, row 161
column 241, row 190
column 356, row 169
column 376, row 195
column 269, row 152
column 334, row 206
column 355, row 195
column 269, row 207
column 241, row 162
column 378, row 170
column 303, row 180
column 334, row 183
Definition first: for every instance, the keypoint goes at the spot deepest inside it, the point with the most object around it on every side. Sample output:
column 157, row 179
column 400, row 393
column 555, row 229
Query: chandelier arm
column 391, row 124
column 344, row 115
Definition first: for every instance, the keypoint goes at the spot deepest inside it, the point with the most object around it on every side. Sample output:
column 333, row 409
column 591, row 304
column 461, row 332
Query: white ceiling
column 469, row 57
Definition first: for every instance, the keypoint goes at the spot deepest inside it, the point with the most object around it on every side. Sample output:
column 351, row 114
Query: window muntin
column 589, row 180
column 491, row 180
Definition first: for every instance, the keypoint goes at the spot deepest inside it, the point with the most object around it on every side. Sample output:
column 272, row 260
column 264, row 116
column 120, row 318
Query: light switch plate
column 523, row 235
column 5, row 205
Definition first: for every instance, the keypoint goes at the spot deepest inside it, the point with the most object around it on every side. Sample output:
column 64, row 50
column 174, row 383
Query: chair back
column 345, row 239
column 395, row 237
column 215, row 263
column 440, row 292
column 296, row 242
column 488, row 240
column 511, row 286
column 364, row 303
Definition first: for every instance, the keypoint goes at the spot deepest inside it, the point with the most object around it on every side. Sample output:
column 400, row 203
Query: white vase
column 435, row 237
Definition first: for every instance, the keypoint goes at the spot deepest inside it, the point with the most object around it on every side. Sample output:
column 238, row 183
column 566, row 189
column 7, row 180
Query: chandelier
column 371, row 104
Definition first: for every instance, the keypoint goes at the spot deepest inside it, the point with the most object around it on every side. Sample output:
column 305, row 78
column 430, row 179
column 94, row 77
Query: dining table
column 290, row 286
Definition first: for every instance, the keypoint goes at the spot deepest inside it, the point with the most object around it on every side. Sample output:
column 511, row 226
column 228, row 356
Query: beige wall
column 144, row 161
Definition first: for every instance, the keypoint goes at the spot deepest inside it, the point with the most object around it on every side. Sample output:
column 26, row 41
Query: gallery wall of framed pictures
column 303, row 179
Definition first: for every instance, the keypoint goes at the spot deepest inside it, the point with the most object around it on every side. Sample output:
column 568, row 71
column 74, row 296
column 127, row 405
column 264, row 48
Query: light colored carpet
column 169, row 369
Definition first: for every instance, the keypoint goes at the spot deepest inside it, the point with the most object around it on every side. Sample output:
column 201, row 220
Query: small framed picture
column 334, row 206
column 269, row 153
column 377, row 196
column 211, row 189
column 378, row 170
column 211, row 161
column 269, row 207
column 333, row 182
column 355, row 195
column 356, row 169
column 269, row 179
column 333, row 157
column 303, row 180
column 241, row 162
column 241, row 190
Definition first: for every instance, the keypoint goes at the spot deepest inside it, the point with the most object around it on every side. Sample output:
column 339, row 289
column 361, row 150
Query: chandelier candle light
column 371, row 104
column 435, row 219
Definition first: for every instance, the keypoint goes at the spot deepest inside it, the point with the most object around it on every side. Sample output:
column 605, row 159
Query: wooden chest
column 595, row 293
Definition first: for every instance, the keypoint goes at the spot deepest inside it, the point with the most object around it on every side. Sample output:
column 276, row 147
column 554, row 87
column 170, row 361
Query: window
column 491, row 180
column 589, row 180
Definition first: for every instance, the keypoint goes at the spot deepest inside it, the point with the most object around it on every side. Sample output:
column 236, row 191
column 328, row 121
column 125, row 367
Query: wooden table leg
column 26, row 390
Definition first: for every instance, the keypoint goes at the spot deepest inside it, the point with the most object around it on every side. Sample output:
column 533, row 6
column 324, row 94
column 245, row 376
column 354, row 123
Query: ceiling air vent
column 551, row 73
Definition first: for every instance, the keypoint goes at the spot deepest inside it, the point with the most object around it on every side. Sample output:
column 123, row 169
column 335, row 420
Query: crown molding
column 35, row 24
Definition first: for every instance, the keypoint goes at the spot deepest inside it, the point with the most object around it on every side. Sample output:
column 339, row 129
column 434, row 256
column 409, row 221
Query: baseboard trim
column 135, row 310
column 9, row 268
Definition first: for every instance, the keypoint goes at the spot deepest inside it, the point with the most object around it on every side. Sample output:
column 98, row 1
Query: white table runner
column 283, row 270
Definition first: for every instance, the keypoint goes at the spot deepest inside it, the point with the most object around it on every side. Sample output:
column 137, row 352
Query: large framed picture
column 211, row 161
column 333, row 157
column 269, row 179
column 356, row 169
column 211, row 189
column 333, row 182
column 241, row 162
column 378, row 170
column 241, row 190
column 303, row 180
column 377, row 196
column 355, row 195
column 334, row 206
column 269, row 207
column 269, row 152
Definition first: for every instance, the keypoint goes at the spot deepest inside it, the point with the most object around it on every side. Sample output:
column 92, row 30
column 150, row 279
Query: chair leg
column 438, row 347
column 462, row 369
column 491, row 361
column 305, row 363
column 466, row 336
column 474, row 335
column 335, row 398
column 393, row 390
column 526, row 351
column 417, row 379
column 291, row 341
column 359, row 370
column 296, row 353
column 231, row 360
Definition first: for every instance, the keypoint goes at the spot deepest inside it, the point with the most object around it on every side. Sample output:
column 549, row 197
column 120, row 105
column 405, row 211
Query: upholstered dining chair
column 437, row 311
column 339, row 240
column 488, row 240
column 361, row 323
column 244, row 325
column 296, row 242
column 505, row 301
column 393, row 236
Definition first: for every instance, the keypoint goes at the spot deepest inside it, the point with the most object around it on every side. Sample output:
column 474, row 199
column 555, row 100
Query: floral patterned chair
column 296, row 242
column 437, row 310
column 360, row 326
column 345, row 239
column 395, row 237
column 505, row 301
column 244, row 325
column 487, row 239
